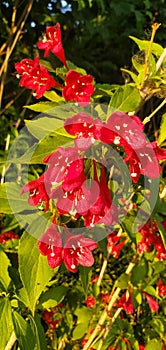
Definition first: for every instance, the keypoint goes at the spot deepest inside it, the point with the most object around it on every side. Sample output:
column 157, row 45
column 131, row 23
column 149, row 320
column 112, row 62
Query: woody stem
column 106, row 310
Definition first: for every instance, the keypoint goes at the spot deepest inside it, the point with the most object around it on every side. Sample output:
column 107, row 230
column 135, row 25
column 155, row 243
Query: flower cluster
column 90, row 301
column 115, row 244
column 151, row 238
column 161, row 288
column 78, row 188
column 126, row 303
column 36, row 77
column 8, row 236
column 51, row 317
column 76, row 250
column 75, row 187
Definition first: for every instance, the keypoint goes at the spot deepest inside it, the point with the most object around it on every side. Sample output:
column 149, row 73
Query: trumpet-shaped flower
column 38, row 191
column 35, row 76
column 52, row 42
column 86, row 129
column 78, row 87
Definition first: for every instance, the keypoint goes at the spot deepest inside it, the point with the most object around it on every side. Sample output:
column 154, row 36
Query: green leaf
column 137, row 65
column 24, row 333
column 136, row 298
column 153, row 344
column 6, row 324
column 53, row 96
column 128, row 225
column 22, row 295
column 144, row 45
column 83, row 317
column 150, row 290
column 106, row 88
column 10, row 199
column 120, row 329
column 4, row 274
column 47, row 65
column 40, row 332
column 34, row 270
column 39, row 151
column 139, row 272
column 41, row 106
column 52, row 297
column 158, row 267
column 123, row 281
column 48, row 144
column 133, row 75
column 158, row 325
column 161, row 229
column 162, row 135
column 35, row 332
column 47, row 126
column 85, row 274
column 125, row 99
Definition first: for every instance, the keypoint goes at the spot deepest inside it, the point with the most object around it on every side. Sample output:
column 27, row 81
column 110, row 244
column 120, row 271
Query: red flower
column 151, row 238
column 35, row 76
column 154, row 306
column 78, row 87
column 159, row 246
column 74, row 175
column 73, row 195
column 145, row 160
column 105, row 297
column 86, row 129
column 102, row 210
column 77, row 250
column 164, row 224
column 126, row 303
column 48, row 317
column 7, row 236
column 141, row 347
column 50, row 245
column 123, row 129
column 37, row 192
column 59, row 162
column 52, row 42
column 25, row 65
column 90, row 301
column 161, row 288
column 114, row 248
column 94, row 279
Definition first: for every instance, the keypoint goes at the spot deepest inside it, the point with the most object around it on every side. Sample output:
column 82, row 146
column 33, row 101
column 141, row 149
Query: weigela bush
column 96, row 210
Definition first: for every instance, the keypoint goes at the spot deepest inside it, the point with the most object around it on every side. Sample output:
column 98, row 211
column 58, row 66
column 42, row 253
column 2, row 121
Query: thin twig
column 11, row 342
column 4, row 166
column 10, row 47
column 117, row 313
column 147, row 119
column 160, row 60
column 102, row 271
column 155, row 26
column 106, row 310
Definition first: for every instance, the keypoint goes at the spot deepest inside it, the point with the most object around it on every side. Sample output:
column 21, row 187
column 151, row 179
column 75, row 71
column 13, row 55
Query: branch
column 160, row 60
column 117, row 313
column 106, row 310
column 102, row 271
column 10, row 48
column 11, row 342
column 147, row 119
column 155, row 26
